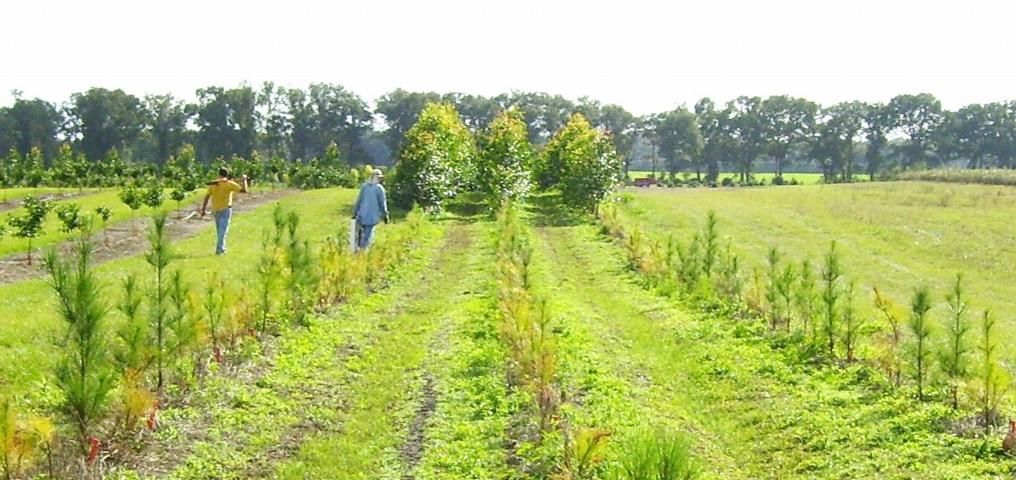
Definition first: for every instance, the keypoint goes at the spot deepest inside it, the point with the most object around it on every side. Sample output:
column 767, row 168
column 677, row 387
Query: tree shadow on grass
column 546, row 210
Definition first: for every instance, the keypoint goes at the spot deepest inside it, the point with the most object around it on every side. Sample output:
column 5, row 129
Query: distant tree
column 400, row 109
column 227, row 122
column 749, row 131
column 28, row 124
column 877, row 124
column 788, row 121
column 621, row 126
column 166, row 121
column 916, row 116
column 103, row 120
column 718, row 138
column 476, row 111
column 835, row 140
column 680, row 140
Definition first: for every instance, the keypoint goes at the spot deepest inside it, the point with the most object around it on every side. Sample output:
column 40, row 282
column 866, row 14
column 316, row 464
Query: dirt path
column 130, row 237
column 52, row 197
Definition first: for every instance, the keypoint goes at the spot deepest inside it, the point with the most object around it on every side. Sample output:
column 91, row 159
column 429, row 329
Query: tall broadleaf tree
column 504, row 158
column 436, row 159
column 582, row 162
column 788, row 121
column 680, row 140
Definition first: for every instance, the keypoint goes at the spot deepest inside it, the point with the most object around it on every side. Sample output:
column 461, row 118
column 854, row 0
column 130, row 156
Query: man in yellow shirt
column 220, row 192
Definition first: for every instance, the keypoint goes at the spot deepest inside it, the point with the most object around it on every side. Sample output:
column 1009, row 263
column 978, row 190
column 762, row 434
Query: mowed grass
column 803, row 178
column 51, row 233
column 30, row 326
column 896, row 236
column 19, row 193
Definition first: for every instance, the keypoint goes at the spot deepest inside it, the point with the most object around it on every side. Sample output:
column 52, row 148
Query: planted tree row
column 114, row 380
column 936, row 345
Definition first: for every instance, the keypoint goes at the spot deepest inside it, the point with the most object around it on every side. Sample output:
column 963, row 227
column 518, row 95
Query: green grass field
column 803, row 178
column 28, row 312
column 896, row 236
column 88, row 202
column 16, row 194
column 414, row 378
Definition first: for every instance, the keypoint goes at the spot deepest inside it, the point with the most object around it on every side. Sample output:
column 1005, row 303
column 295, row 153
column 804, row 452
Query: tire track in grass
column 238, row 427
column 465, row 438
column 388, row 408
column 752, row 410
column 615, row 363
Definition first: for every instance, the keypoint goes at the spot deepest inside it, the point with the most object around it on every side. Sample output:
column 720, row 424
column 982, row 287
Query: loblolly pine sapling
column 181, row 321
column 954, row 357
column 852, row 323
column 159, row 257
column 920, row 328
column 785, row 291
column 731, row 283
column 772, row 291
column 831, row 293
column 893, row 362
column 992, row 379
column 711, row 238
column 84, row 372
column 215, row 313
column 806, row 298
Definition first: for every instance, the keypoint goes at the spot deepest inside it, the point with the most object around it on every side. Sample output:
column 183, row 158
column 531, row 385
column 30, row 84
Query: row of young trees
column 293, row 124
column 115, row 376
column 936, row 344
column 440, row 158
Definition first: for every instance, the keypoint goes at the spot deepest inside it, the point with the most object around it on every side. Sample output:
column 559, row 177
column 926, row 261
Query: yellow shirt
column 221, row 194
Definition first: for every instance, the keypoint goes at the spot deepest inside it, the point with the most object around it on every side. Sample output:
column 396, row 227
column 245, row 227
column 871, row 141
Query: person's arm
column 245, row 184
column 204, row 205
column 356, row 204
column 383, row 202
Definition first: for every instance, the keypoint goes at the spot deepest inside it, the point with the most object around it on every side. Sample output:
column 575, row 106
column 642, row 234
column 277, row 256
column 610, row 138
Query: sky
column 647, row 56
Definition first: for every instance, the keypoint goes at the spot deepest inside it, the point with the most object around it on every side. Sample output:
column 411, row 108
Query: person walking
column 371, row 208
column 220, row 192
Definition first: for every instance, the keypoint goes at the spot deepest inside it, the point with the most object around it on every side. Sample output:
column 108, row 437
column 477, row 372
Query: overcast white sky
column 644, row 55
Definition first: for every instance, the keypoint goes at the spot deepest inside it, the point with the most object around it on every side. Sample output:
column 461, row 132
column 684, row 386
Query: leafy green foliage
column 70, row 217
column 29, row 224
column 435, row 162
column 504, row 158
column 581, row 162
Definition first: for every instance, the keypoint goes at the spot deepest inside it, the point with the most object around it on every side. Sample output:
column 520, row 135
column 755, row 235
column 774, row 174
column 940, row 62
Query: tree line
column 297, row 125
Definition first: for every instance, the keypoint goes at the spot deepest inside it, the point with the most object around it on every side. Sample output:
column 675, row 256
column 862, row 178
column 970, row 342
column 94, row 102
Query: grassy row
column 802, row 178
column 240, row 424
column 785, row 417
column 385, row 411
column 985, row 177
column 895, row 236
column 51, row 233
